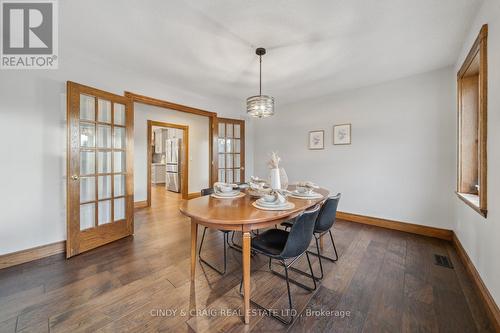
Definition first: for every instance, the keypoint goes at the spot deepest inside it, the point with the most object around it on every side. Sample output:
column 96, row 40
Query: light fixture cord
column 260, row 75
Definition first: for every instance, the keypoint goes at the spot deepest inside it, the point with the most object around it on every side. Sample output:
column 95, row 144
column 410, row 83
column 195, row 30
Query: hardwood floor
column 384, row 281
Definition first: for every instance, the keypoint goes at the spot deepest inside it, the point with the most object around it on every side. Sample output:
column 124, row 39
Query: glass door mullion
column 96, row 210
column 112, row 162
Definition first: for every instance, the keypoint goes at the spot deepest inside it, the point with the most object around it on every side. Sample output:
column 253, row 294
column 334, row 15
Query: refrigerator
column 173, row 164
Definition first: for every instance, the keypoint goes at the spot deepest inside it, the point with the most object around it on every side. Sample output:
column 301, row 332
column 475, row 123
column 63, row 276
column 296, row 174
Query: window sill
column 472, row 200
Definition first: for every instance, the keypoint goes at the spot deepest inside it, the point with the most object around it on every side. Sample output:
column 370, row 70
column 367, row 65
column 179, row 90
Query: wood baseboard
column 194, row 195
column 140, row 204
column 397, row 225
column 490, row 304
column 21, row 257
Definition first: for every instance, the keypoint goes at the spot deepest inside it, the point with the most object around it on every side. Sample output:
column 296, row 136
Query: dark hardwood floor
column 384, row 281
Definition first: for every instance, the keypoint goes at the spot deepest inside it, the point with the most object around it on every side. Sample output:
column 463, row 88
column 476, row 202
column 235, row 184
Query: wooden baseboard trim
column 194, row 195
column 140, row 204
column 397, row 225
column 23, row 256
column 490, row 304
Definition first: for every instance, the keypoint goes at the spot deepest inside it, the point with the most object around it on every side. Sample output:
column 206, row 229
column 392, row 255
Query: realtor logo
column 29, row 34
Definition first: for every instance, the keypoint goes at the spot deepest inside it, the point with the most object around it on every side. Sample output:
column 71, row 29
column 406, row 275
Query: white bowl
column 225, row 188
column 303, row 190
column 268, row 198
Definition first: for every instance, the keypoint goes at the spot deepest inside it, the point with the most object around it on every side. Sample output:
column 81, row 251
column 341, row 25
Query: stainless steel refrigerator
column 173, row 167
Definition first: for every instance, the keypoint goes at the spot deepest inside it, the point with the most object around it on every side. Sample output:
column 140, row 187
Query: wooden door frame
column 185, row 157
column 110, row 231
column 240, row 122
column 212, row 128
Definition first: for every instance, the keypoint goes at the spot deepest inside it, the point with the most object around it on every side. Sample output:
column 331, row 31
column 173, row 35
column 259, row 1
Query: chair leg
column 271, row 312
column 311, row 275
column 334, row 249
column 320, row 257
column 295, row 282
column 225, row 240
column 333, row 243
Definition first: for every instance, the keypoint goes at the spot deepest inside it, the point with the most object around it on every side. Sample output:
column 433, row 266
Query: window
column 472, row 125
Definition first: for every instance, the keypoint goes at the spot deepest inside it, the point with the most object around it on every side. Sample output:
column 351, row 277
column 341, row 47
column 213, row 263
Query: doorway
column 168, row 151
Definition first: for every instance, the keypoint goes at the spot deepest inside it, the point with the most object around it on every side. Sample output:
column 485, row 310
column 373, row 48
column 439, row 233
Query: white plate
column 304, row 194
column 238, row 195
column 233, row 193
column 287, row 206
column 263, row 203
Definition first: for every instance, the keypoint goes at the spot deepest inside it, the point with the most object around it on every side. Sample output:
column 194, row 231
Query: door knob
column 75, row 177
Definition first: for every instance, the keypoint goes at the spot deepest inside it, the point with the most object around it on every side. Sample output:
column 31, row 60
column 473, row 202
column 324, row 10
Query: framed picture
column 342, row 134
column 317, row 140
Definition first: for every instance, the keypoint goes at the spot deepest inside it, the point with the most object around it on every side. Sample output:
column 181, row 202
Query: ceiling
column 314, row 47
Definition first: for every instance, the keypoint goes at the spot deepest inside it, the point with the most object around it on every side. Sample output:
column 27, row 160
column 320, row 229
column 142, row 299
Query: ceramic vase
column 275, row 181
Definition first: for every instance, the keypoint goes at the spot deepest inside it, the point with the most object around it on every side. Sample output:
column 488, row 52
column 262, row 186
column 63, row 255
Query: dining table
column 238, row 214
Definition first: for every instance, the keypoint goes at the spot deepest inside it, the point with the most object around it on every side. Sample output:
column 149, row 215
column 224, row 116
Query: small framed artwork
column 317, row 140
column 342, row 134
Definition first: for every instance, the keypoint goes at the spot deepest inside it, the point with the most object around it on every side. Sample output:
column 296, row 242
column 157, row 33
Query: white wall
column 480, row 236
column 33, row 133
column 198, row 146
column 398, row 166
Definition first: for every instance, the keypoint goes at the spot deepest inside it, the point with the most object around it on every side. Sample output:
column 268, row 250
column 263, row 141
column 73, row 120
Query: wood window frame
column 479, row 49
column 212, row 132
column 185, row 156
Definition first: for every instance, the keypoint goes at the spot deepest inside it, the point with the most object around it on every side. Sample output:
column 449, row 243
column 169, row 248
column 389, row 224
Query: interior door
column 231, row 150
column 100, row 202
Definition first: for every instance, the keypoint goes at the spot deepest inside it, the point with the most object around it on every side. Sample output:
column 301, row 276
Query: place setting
column 226, row 191
column 305, row 190
column 276, row 200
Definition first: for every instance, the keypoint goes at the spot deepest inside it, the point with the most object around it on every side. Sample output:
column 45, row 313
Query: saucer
column 287, row 206
column 237, row 195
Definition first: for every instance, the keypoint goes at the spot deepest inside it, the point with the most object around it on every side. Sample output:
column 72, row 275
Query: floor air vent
column 443, row 261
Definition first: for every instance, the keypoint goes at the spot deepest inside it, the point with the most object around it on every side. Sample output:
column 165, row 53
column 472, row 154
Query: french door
column 231, row 150
column 99, row 168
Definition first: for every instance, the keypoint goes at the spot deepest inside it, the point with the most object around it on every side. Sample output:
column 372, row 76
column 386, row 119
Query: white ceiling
column 314, row 47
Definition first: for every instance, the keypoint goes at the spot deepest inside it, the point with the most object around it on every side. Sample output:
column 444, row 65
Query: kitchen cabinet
column 158, row 173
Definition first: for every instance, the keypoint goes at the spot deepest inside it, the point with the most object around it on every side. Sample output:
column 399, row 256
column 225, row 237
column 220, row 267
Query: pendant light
column 260, row 106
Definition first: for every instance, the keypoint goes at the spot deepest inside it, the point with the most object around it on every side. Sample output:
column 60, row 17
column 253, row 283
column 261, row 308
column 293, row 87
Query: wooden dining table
column 238, row 214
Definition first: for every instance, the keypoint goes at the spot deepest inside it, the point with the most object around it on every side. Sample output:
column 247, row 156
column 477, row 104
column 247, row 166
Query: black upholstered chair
column 286, row 248
column 204, row 192
column 324, row 223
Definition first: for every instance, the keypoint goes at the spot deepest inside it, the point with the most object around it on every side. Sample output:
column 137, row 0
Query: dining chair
column 324, row 223
column 282, row 246
column 208, row 191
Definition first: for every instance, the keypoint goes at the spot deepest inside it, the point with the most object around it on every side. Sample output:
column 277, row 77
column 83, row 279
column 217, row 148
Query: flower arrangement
column 275, row 161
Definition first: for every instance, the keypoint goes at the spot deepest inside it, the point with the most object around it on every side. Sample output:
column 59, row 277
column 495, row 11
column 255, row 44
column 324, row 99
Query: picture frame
column 316, row 140
column 342, row 134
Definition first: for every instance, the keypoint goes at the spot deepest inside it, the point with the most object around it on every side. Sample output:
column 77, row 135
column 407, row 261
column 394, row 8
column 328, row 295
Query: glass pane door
column 230, row 147
column 102, row 177
column 99, row 168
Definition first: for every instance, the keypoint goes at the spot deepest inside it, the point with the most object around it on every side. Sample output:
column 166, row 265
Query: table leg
column 194, row 242
column 246, row 275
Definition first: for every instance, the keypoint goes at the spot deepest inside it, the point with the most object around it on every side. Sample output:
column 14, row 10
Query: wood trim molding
column 397, row 225
column 23, row 256
column 490, row 304
column 185, row 158
column 168, row 105
column 140, row 204
column 194, row 195
column 479, row 48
